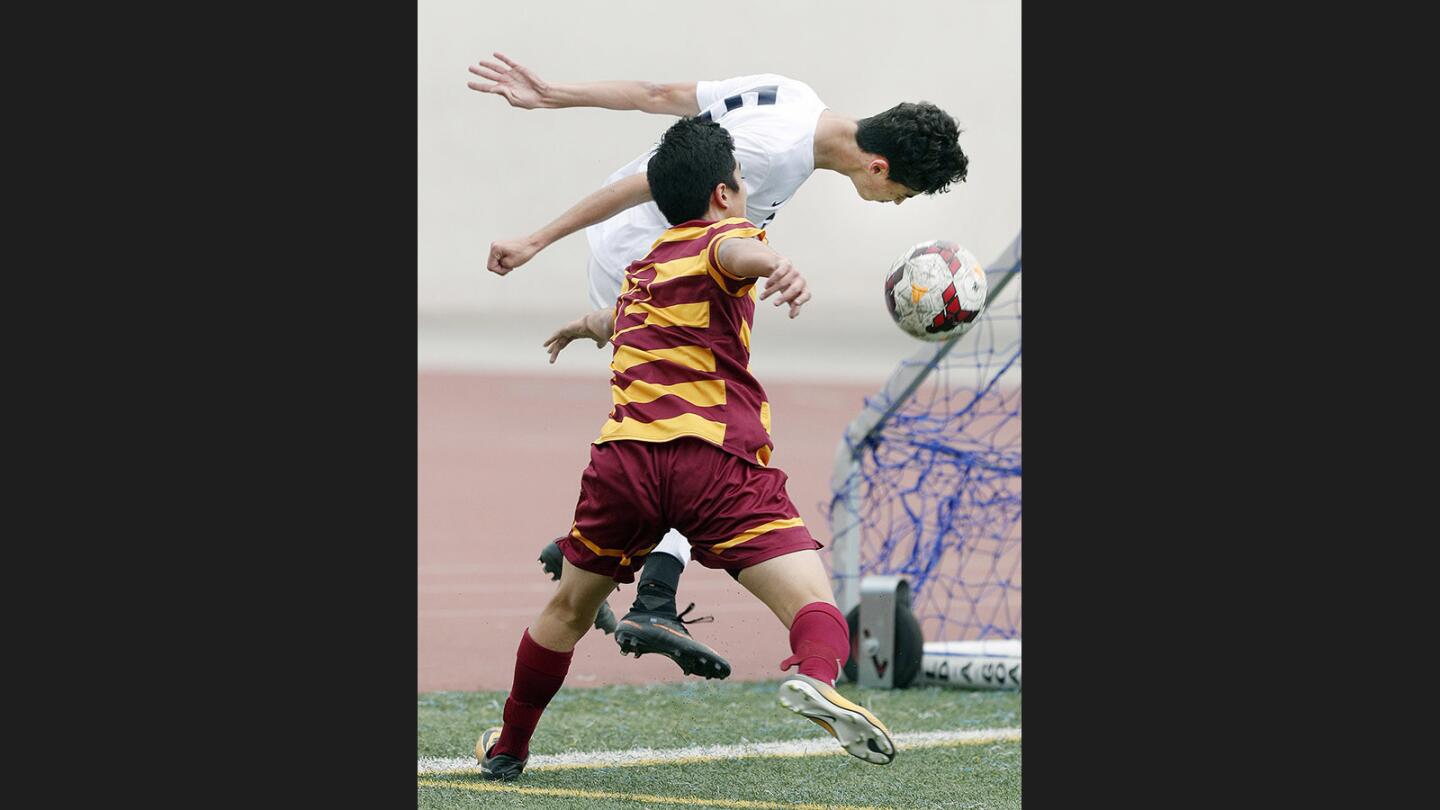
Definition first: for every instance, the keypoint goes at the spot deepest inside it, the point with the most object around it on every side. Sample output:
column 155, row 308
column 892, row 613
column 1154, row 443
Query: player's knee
column 800, row 593
column 798, row 601
column 570, row 612
column 573, row 618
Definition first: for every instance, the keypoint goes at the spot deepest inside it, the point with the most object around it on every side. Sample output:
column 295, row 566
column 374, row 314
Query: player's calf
column 541, row 663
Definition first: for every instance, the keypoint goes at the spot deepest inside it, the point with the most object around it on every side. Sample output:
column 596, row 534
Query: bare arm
column 627, row 192
column 595, row 325
column 522, row 88
column 751, row 258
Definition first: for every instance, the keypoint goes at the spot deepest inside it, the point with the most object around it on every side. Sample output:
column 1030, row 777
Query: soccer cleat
column 550, row 560
column 500, row 766
column 644, row 631
column 859, row 731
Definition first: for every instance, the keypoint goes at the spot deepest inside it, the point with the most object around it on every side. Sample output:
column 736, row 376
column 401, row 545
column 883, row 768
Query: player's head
column 694, row 173
column 910, row 149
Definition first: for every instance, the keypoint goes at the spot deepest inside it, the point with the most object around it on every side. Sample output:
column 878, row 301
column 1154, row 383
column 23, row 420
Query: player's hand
column 790, row 285
column 508, row 254
column 512, row 80
column 578, row 328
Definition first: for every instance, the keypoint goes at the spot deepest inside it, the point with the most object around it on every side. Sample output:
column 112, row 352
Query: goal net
column 926, row 482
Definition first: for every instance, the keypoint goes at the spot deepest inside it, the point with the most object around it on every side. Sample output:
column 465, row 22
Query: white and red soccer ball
column 936, row 290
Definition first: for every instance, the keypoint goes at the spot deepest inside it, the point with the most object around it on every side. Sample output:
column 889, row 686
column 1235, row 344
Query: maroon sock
column 538, row 675
column 820, row 641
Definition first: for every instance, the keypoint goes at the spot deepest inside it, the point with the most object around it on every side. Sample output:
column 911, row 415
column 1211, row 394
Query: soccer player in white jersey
column 782, row 132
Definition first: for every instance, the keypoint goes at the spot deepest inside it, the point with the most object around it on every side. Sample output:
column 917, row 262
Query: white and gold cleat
column 860, row 732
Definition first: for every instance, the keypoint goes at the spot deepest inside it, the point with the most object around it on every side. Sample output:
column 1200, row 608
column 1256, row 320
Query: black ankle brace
column 659, row 579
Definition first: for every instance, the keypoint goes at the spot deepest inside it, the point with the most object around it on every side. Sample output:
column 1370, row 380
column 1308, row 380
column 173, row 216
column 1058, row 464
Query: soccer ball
column 936, row 290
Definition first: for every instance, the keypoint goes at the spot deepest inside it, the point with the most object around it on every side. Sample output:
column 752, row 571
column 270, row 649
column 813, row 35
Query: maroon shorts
column 734, row 513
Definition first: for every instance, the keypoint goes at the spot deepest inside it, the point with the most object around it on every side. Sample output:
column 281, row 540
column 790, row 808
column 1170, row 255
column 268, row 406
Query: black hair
column 921, row 143
column 694, row 156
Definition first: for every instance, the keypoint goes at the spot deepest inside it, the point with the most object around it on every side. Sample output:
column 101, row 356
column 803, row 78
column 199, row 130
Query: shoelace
column 695, row 620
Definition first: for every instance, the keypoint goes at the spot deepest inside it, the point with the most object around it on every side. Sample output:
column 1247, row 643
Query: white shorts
column 604, row 288
column 616, row 243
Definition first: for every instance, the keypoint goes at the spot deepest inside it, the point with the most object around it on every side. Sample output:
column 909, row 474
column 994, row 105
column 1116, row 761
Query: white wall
column 489, row 171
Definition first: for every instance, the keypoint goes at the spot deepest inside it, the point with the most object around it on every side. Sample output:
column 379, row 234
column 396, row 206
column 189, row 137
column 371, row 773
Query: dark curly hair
column 921, row 143
column 694, row 156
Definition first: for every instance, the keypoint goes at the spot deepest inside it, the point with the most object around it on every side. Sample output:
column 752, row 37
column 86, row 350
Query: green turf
column 719, row 713
column 969, row 776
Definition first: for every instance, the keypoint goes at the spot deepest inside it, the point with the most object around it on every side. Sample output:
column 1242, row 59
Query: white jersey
column 772, row 120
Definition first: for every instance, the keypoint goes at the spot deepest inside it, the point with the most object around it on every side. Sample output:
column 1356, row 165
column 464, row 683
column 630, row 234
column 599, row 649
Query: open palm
column 512, row 80
column 582, row 327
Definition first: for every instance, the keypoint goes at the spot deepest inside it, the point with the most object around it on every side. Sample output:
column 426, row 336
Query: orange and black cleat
column 642, row 632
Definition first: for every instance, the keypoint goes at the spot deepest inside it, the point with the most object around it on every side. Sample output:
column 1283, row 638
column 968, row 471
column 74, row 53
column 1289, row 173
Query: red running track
column 500, row 457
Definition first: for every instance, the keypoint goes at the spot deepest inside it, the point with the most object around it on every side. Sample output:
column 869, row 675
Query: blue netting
column 935, row 489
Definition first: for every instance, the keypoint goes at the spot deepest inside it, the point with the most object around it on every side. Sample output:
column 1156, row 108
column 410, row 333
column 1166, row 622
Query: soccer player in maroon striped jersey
column 687, row 447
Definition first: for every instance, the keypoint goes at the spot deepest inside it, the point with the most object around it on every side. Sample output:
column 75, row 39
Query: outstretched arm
column 627, row 192
column 522, row 88
column 596, row 326
column 750, row 258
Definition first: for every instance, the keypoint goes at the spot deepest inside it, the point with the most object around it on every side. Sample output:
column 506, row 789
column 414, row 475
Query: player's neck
column 835, row 147
column 713, row 214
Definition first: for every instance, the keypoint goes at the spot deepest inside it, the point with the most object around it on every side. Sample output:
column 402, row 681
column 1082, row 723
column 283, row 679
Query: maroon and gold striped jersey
column 682, row 346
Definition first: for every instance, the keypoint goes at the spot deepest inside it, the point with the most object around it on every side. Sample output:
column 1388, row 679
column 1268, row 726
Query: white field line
column 708, row 753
